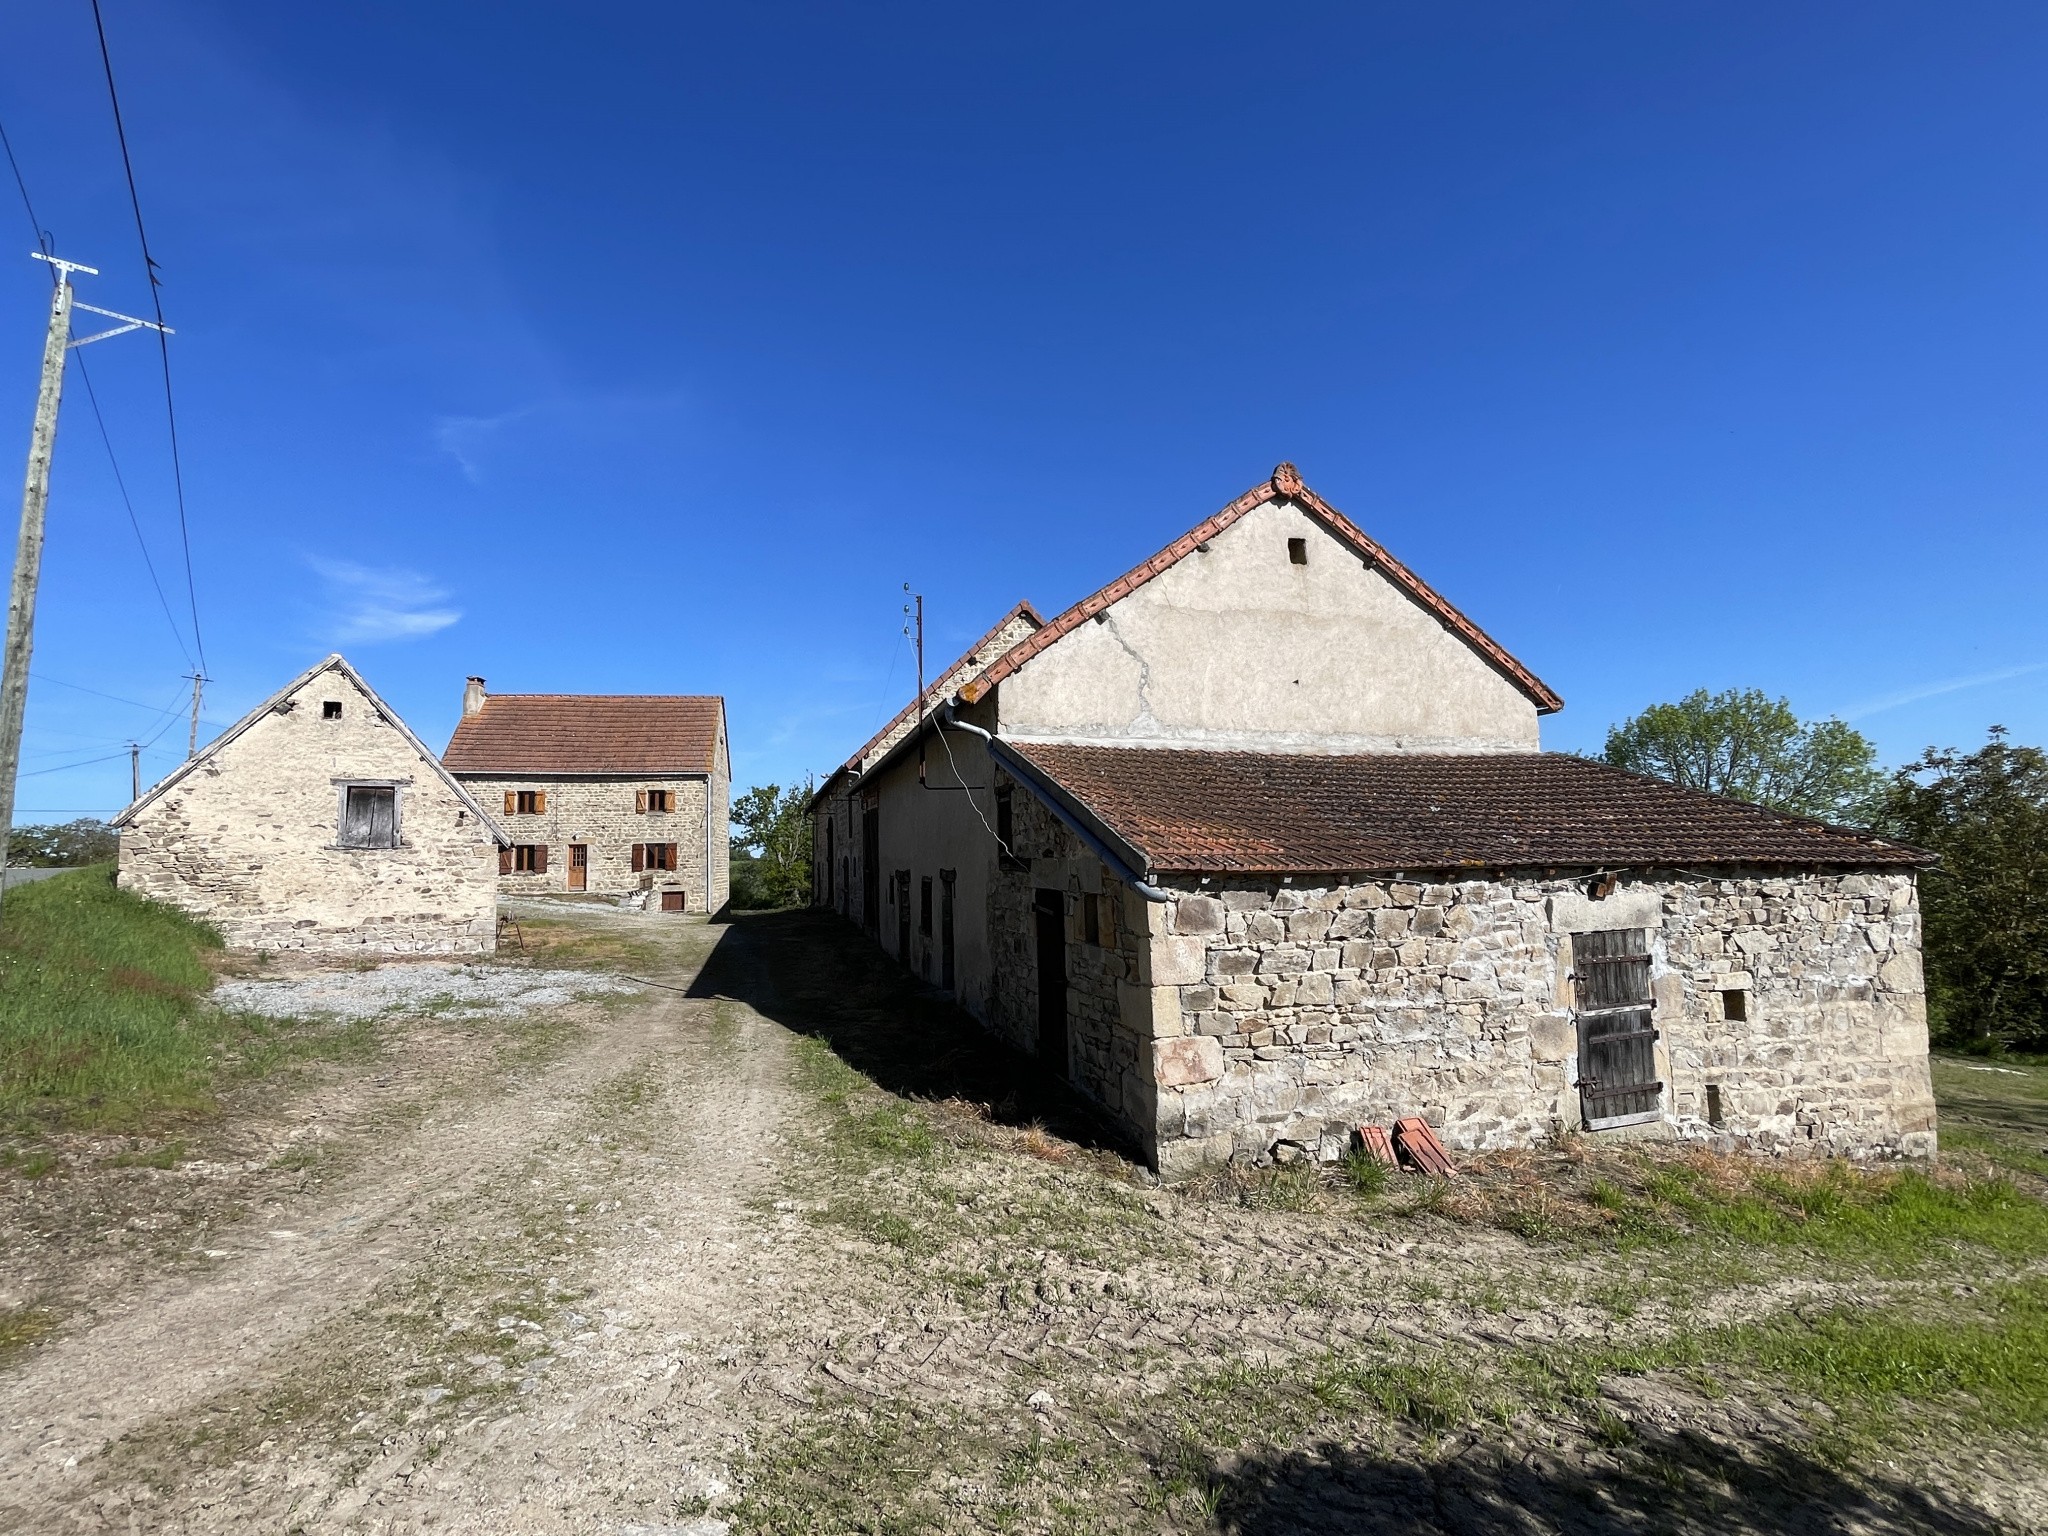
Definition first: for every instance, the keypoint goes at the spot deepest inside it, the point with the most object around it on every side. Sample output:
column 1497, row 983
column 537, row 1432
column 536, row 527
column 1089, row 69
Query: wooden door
column 579, row 867
column 1617, row 1040
column 1050, row 911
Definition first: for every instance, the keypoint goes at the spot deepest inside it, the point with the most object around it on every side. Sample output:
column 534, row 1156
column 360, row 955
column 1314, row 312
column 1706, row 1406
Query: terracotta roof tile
column 571, row 733
column 1285, row 485
column 1268, row 812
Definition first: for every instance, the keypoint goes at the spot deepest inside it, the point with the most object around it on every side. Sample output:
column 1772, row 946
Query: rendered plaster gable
column 1240, row 646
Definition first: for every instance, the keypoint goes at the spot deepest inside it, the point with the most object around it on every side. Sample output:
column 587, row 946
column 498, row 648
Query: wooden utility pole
column 192, row 741
column 28, row 553
column 134, row 771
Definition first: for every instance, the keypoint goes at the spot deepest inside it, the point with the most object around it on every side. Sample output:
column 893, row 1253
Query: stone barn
column 318, row 821
column 1257, row 843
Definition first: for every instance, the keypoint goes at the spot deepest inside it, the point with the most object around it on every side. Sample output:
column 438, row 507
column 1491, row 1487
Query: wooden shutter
column 540, row 859
column 511, row 802
column 540, row 802
column 640, row 801
column 639, row 857
column 504, row 861
column 671, row 858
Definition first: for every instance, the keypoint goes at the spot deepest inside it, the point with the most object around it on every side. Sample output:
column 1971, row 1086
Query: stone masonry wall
column 1304, row 1009
column 1109, row 1059
column 600, row 814
column 248, row 841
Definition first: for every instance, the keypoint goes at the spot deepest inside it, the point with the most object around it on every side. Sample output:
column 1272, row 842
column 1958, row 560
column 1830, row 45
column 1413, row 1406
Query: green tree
column 772, row 846
column 1743, row 744
column 84, row 841
column 1985, row 906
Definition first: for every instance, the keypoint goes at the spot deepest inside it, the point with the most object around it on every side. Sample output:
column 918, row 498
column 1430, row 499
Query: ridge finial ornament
column 1287, row 479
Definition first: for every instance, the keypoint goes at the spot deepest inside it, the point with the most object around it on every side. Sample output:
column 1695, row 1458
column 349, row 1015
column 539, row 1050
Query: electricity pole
column 198, row 683
column 35, row 496
column 134, row 771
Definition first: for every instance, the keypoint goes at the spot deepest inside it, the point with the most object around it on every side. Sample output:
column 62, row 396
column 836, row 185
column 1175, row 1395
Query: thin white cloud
column 373, row 603
column 466, row 439
column 1935, row 690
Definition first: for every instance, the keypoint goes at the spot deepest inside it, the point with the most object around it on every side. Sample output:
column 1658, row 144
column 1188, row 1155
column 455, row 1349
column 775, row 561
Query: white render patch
column 463, row 990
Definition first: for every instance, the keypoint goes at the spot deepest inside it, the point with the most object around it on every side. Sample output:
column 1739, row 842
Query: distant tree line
column 1984, row 907
column 88, row 840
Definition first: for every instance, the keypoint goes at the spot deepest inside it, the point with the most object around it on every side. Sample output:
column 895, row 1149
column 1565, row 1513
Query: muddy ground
column 776, row 1243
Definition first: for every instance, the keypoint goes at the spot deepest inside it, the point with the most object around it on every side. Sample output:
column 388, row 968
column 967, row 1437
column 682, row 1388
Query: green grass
column 103, row 1017
column 97, row 995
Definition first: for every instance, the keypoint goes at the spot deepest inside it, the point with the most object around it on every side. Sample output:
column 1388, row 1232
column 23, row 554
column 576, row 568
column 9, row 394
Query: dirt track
column 477, row 1328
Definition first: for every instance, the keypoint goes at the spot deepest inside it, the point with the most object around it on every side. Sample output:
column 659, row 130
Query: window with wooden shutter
column 540, row 802
column 640, row 801
column 504, row 861
column 1617, row 1039
column 669, row 862
column 540, row 858
column 369, row 816
column 639, row 857
column 511, row 802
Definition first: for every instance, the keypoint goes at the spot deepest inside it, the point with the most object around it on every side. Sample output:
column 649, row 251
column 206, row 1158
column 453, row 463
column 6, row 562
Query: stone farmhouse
column 610, row 794
column 1257, row 844
column 319, row 822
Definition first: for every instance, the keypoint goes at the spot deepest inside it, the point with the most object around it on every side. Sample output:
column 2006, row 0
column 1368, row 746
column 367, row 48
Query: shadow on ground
column 817, row 974
column 1679, row 1483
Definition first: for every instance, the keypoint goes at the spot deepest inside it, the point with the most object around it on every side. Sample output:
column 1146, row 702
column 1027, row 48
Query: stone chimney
column 472, row 696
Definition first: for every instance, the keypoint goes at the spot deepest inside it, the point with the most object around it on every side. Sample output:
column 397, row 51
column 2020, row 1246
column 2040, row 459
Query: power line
column 92, row 395
column 42, row 235
column 163, row 342
column 133, row 522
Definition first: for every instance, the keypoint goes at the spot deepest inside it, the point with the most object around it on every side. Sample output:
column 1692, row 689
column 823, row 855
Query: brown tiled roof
column 1259, row 812
column 1285, row 485
column 976, row 659
column 570, row 733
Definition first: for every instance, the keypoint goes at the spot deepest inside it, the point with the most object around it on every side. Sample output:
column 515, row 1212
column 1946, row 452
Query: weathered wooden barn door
column 579, row 867
column 1617, row 1039
column 1050, row 911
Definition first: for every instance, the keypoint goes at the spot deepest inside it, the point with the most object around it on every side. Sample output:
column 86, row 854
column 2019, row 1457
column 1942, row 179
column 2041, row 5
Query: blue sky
column 653, row 348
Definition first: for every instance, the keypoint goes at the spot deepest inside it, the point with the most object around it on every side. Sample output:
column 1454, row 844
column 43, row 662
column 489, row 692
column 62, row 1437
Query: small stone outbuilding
column 623, row 795
column 318, row 821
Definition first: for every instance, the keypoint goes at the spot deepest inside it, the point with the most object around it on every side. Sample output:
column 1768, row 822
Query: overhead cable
column 163, row 342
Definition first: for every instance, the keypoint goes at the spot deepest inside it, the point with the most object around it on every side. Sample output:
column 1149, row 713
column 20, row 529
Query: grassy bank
column 98, row 992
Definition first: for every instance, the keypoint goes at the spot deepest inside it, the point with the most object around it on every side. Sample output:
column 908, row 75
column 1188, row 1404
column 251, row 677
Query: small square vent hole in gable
column 1297, row 551
column 330, row 709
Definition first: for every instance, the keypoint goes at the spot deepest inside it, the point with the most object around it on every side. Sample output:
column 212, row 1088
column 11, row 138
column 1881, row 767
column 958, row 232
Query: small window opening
column 526, row 802
column 1297, row 551
column 1714, row 1116
column 1735, row 1006
column 657, row 800
column 330, row 709
column 526, row 859
column 369, row 817
column 1091, row 919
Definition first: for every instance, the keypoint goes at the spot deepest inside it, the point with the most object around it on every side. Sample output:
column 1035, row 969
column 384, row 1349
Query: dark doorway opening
column 946, row 877
column 1051, row 913
column 871, row 871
